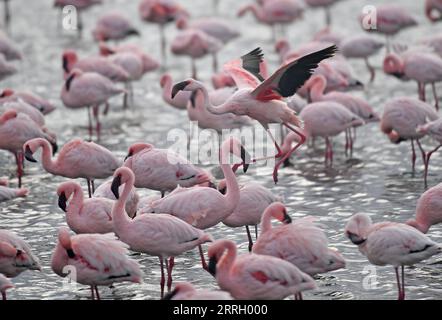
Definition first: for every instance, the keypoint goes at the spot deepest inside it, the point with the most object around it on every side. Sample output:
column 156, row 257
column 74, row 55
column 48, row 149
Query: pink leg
column 256, row 232
column 328, row 152
column 347, row 143
column 194, row 73
column 203, row 260
column 170, row 266
column 370, row 69
column 97, row 121
column 427, row 163
column 106, row 108
column 93, row 186
column 215, row 62
column 19, row 162
column 436, row 98
column 424, row 94
column 249, row 236
column 396, row 270
column 162, row 281
column 90, row 122
column 96, row 291
column 89, row 188
column 4, row 296
column 92, row 293
column 278, row 148
column 163, row 45
column 413, row 155
column 403, row 282
column 125, row 96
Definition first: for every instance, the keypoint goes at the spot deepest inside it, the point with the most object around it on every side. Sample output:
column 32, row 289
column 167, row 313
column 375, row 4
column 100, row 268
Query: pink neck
column 225, row 264
column 46, row 158
column 317, row 89
column 232, row 194
column 77, row 201
column 120, row 219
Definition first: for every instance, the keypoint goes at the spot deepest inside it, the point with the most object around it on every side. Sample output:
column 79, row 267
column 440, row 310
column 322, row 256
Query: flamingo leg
column 436, row 98
column 370, row 69
column 98, row 294
column 106, row 108
column 427, row 163
column 288, row 154
column 194, row 73
column 423, row 153
column 80, row 24
column 256, row 232
column 424, row 94
column 413, row 155
column 125, row 96
column 387, row 46
column 249, row 236
column 19, row 162
column 163, row 44
column 96, row 111
column 7, row 13
column 90, row 122
column 328, row 152
column 396, row 270
column 169, row 266
column 92, row 293
column 278, row 148
column 89, row 189
column 350, row 140
column 203, row 260
column 215, row 62
column 162, row 281
column 327, row 16
column 403, row 282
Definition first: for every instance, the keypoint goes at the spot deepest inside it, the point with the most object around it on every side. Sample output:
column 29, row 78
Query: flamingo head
column 136, row 148
column 244, row 9
column 122, row 176
column 186, row 85
column 222, row 186
column 279, row 212
column 335, row 260
column 181, row 22
column 357, row 227
column 8, row 115
column 64, row 238
column 69, row 59
column 64, row 192
column 393, row 65
column 165, row 79
column 105, row 50
column 7, row 93
column 216, row 252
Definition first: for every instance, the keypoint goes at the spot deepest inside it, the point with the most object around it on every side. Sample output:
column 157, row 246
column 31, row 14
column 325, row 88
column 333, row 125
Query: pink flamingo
column 222, row 79
column 91, row 215
column 161, row 169
column 7, row 69
column 214, row 27
column 80, row 5
column 390, row 243
column 98, row 259
column 196, row 44
column 276, row 12
column 401, row 118
column 15, row 255
column 9, row 49
column 31, row 112
column 422, row 67
column 389, row 20
column 428, row 209
column 5, row 284
column 434, row 130
column 113, row 26
column 104, row 191
column 77, row 159
column 326, row 4
column 186, row 291
column 159, row 235
column 262, row 100
column 161, row 12
column 433, row 10
column 253, row 276
column 15, row 130
column 10, row 95
column 7, row 193
column 301, row 243
column 253, row 199
column 328, row 119
column 361, row 47
column 98, row 88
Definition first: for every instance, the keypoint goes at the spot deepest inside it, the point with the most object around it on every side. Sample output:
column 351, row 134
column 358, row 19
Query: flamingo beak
column 212, row 265
column 357, row 240
column 287, row 218
column 179, row 87
column 54, row 148
column 193, row 98
column 130, row 154
column 115, row 187
column 29, row 154
column 245, row 157
column 62, row 201
column 71, row 253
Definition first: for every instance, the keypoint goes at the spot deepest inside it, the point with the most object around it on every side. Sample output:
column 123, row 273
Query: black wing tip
column 257, row 52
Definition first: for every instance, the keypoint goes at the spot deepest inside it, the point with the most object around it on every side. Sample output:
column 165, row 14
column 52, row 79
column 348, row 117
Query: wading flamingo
column 113, row 26
column 434, row 130
column 428, row 209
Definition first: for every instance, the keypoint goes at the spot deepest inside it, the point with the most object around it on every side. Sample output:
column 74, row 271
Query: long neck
column 206, row 101
column 317, row 90
column 225, row 265
column 76, row 203
column 167, row 90
column 120, row 219
column 232, row 194
column 46, row 158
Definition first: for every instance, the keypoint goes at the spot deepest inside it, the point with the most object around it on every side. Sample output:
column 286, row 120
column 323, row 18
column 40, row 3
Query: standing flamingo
column 15, row 130
column 77, row 159
column 98, row 88
column 7, row 193
column 390, row 243
column 159, row 235
column 104, row 191
column 428, row 209
column 262, row 100
column 401, row 117
column 15, row 255
column 161, row 169
column 433, row 10
column 422, row 67
column 5, row 284
column 113, row 26
column 434, row 130
column 253, row 276
column 300, row 242
column 98, row 259
column 186, row 291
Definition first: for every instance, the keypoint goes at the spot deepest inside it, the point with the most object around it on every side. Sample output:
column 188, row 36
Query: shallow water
column 377, row 181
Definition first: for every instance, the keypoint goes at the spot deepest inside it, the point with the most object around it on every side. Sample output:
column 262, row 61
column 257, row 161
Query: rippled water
column 378, row 181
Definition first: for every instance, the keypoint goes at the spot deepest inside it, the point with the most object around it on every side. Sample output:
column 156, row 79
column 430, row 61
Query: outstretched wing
column 252, row 61
column 245, row 71
column 289, row 78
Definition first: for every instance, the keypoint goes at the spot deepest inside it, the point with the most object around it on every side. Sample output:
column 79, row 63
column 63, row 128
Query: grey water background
column 377, row 181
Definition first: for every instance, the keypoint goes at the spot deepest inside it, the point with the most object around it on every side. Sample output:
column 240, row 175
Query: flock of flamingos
column 309, row 95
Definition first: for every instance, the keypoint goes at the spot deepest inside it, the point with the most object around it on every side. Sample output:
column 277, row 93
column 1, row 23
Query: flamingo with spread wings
column 262, row 99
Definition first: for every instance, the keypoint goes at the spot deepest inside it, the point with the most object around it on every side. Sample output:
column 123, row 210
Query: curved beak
column 179, row 87
column 245, row 157
column 128, row 156
column 54, row 148
column 193, row 98
column 115, row 187
column 357, row 240
column 212, row 266
column 62, row 201
column 29, row 154
column 287, row 218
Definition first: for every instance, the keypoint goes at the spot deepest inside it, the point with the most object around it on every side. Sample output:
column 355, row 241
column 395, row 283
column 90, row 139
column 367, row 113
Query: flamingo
column 222, row 79
column 161, row 12
column 433, row 10
column 41, row 104
column 328, row 119
column 428, row 209
column 300, row 242
column 99, row 260
column 7, row 193
column 422, row 67
column 104, row 191
column 84, row 215
column 361, row 47
column 253, row 276
column 326, row 4
column 390, row 243
column 262, row 100
column 253, row 199
column 196, row 44
column 434, row 130
column 401, row 118
column 186, row 291
column 77, row 159
column 389, row 20
column 113, row 26
column 15, row 130
column 5, row 284
column 162, row 169
column 22, row 107
column 98, row 88
column 15, row 255
column 159, row 235
column 9, row 49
